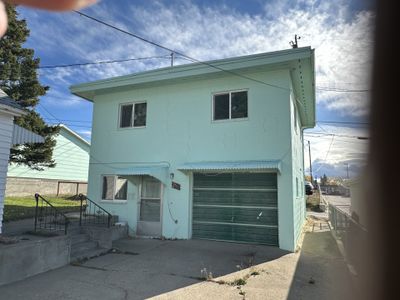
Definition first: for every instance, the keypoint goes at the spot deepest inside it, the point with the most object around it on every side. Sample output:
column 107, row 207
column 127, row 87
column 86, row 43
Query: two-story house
column 206, row 150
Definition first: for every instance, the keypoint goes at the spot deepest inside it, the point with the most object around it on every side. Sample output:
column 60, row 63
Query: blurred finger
column 3, row 19
column 57, row 5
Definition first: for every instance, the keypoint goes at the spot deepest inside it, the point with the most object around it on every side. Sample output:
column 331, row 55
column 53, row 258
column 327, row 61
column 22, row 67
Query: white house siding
column 6, row 129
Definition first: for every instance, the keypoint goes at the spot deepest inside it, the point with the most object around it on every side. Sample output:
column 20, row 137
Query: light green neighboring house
column 206, row 151
column 68, row 177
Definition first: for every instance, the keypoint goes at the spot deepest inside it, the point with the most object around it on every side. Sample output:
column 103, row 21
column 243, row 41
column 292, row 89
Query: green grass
column 17, row 208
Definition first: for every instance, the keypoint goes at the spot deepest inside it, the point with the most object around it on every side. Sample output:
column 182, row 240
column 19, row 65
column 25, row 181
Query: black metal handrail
column 48, row 217
column 92, row 213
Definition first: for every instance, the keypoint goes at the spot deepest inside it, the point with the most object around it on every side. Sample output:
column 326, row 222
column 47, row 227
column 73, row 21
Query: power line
column 343, row 122
column 335, row 134
column 327, row 153
column 100, row 62
column 177, row 52
column 49, row 112
column 342, row 90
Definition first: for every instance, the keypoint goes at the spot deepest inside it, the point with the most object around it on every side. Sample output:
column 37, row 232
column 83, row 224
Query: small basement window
column 230, row 105
column 114, row 188
column 133, row 115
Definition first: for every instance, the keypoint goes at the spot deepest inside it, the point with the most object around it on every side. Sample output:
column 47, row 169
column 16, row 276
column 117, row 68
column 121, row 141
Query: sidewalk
column 318, row 271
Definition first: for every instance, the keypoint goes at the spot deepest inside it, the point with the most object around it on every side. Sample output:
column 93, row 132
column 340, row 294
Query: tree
column 324, row 180
column 19, row 79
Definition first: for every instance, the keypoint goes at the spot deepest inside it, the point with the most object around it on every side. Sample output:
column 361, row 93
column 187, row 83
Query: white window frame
column 113, row 200
column 230, row 105
column 133, row 114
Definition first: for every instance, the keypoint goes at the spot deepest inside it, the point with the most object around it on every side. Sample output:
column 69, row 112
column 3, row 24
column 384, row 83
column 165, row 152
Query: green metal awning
column 254, row 165
column 159, row 171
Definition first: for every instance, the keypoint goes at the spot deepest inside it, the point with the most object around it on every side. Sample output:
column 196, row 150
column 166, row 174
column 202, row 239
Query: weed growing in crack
column 205, row 274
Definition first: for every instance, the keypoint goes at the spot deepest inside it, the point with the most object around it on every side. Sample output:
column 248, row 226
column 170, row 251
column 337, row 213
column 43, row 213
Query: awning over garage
column 273, row 165
column 159, row 171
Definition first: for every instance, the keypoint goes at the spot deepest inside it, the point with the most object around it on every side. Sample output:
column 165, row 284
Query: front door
column 150, row 206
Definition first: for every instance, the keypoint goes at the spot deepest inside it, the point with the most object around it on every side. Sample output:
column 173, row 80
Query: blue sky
column 340, row 31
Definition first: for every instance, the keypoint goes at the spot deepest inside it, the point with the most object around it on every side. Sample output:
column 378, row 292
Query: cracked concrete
column 172, row 270
column 156, row 268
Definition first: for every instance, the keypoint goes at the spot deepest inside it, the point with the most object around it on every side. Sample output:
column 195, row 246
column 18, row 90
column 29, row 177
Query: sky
column 341, row 32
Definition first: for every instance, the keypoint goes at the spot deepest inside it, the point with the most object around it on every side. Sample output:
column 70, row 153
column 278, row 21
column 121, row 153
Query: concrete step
column 79, row 238
column 87, row 254
column 83, row 246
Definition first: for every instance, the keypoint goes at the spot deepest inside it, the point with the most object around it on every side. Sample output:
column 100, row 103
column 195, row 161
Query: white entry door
column 150, row 207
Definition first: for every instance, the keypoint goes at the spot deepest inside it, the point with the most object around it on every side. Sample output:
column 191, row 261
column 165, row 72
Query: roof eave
column 88, row 90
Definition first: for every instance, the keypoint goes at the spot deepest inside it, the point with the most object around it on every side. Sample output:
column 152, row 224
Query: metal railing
column 351, row 233
column 93, row 214
column 48, row 217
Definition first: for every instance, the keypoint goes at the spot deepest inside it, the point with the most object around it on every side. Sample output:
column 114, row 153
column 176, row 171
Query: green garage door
column 238, row 207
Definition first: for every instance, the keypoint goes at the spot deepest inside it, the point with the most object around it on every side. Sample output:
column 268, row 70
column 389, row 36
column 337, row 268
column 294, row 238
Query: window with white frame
column 114, row 188
column 133, row 115
column 230, row 105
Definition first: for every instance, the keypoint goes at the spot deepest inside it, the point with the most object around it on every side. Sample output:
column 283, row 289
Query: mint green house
column 68, row 177
column 205, row 151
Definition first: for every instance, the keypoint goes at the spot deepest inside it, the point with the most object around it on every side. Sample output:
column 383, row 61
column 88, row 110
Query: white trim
column 229, row 92
column 73, row 133
column 132, row 116
column 113, row 200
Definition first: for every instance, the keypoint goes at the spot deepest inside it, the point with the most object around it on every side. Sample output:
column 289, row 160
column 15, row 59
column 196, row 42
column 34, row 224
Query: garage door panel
column 259, row 235
column 254, row 216
column 237, row 198
column 239, row 180
column 236, row 207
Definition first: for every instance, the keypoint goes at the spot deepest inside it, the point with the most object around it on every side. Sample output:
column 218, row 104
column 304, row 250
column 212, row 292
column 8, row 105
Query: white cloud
column 342, row 43
column 331, row 154
column 342, row 40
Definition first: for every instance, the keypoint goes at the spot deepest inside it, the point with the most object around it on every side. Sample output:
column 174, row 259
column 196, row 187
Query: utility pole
column 309, row 154
column 294, row 44
column 172, row 58
column 347, row 164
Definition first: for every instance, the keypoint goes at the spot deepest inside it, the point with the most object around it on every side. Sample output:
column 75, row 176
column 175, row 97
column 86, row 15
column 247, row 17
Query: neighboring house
column 335, row 189
column 10, row 134
column 358, row 204
column 208, row 151
column 68, row 177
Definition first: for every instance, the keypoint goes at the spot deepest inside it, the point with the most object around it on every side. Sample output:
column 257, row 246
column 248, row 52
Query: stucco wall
column 180, row 129
column 299, row 203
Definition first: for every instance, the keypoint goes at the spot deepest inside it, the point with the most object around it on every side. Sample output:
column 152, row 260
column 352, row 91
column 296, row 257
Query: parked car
column 309, row 188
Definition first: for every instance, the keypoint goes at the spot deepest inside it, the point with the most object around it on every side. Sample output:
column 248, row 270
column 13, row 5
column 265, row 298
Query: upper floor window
column 133, row 115
column 230, row 105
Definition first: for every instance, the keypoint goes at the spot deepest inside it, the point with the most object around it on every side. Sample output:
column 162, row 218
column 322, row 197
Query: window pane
column 151, row 188
column 126, row 116
column 108, row 187
column 150, row 210
column 221, row 107
column 140, row 114
column 239, row 105
column 121, row 188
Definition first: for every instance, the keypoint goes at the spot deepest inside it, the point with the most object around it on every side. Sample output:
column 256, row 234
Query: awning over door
column 24, row 136
column 159, row 171
column 273, row 165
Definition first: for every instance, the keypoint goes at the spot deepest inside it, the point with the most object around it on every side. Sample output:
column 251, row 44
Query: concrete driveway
column 141, row 268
